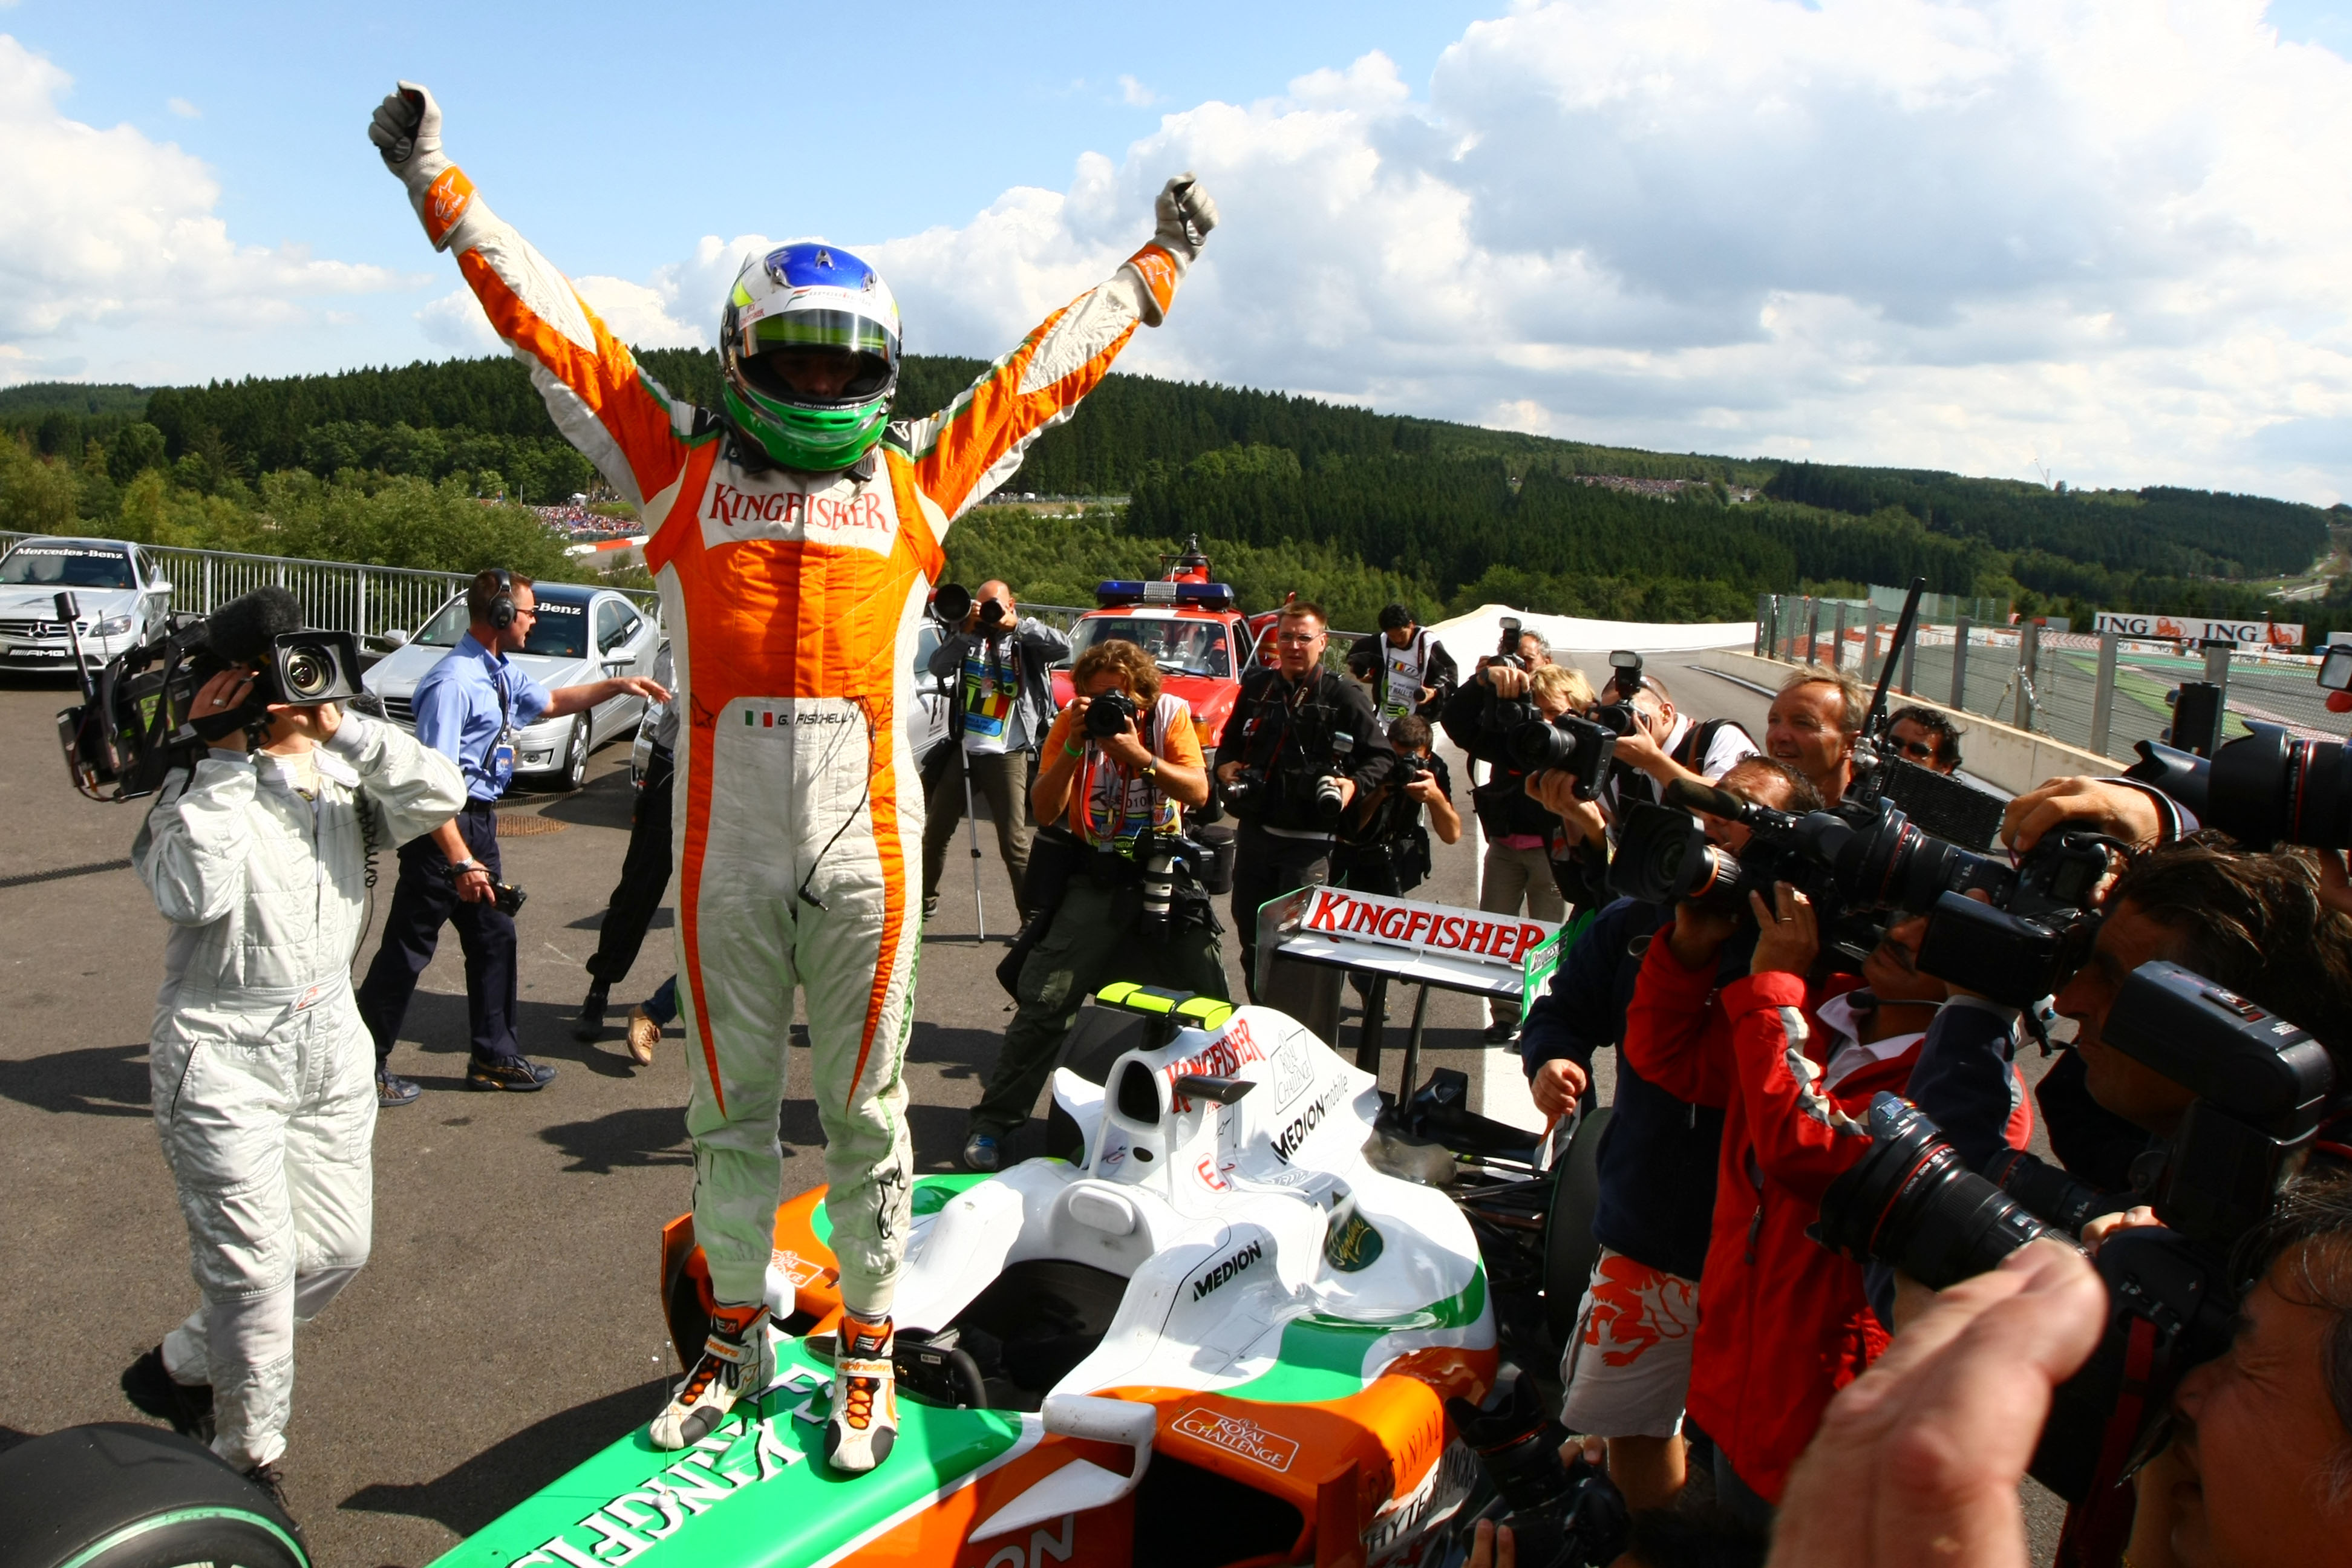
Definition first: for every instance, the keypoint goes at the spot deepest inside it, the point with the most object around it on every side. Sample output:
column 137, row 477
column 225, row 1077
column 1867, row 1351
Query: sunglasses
column 1924, row 751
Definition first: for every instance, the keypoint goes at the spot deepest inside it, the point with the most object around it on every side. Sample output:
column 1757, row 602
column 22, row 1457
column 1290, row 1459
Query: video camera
column 137, row 720
column 2262, row 1087
column 2015, row 948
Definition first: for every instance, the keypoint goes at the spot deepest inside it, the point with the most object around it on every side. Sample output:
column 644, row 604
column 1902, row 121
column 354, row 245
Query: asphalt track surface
column 507, row 1324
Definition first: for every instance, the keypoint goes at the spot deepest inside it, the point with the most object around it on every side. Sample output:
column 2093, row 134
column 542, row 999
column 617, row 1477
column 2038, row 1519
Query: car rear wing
column 1309, row 939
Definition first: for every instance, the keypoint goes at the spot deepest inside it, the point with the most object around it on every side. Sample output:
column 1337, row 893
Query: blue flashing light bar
column 1185, row 595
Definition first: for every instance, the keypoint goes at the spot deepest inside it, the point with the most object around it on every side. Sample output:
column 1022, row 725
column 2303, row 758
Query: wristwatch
column 1150, row 770
column 459, row 868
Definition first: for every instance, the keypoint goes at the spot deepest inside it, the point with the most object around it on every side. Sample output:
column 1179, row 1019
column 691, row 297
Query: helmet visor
column 775, row 346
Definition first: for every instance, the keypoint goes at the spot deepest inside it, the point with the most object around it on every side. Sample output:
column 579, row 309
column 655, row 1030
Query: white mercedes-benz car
column 580, row 634
column 121, row 599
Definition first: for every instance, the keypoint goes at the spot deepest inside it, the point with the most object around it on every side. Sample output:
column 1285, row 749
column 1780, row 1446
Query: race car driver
column 794, row 533
column 263, row 1075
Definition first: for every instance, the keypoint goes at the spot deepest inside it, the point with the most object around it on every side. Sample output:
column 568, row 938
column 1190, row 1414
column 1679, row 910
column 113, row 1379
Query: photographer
column 471, row 707
column 1410, row 672
column 1390, row 853
column 1661, row 745
column 1812, row 725
column 1627, row 1369
column 260, row 1066
column 1795, row 1061
column 1301, row 742
column 1003, row 665
column 644, row 878
column 1922, row 735
column 1121, row 764
column 2254, row 924
column 1522, row 832
column 1919, row 1461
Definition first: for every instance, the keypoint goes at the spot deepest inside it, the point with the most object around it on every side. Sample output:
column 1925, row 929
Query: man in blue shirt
column 471, row 707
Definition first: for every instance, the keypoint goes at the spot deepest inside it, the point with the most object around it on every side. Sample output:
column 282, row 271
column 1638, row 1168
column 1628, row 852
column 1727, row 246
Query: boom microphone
column 1715, row 802
column 246, row 629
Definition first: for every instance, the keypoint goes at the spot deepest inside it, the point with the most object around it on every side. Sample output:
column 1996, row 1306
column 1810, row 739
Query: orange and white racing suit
column 791, row 600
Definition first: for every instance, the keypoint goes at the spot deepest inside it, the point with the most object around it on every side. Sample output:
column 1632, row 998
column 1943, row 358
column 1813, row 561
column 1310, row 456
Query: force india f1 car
column 1248, row 1312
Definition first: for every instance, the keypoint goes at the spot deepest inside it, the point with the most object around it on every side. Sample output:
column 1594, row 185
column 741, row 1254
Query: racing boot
column 864, row 1422
column 152, row 1390
column 644, row 1035
column 737, row 1361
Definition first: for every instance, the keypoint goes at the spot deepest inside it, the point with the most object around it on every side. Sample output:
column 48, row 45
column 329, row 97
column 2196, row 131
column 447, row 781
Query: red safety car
column 1192, row 627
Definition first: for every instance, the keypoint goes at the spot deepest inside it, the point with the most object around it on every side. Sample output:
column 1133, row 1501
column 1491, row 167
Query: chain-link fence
column 2101, row 691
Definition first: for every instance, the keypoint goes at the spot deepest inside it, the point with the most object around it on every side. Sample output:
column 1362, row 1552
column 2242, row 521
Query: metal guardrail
column 335, row 596
column 2101, row 691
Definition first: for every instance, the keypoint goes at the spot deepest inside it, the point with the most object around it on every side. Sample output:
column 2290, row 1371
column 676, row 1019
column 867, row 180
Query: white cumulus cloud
column 107, row 229
column 2101, row 233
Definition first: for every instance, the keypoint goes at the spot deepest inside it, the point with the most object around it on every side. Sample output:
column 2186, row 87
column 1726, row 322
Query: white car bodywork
column 1220, row 1216
column 613, row 637
column 120, row 600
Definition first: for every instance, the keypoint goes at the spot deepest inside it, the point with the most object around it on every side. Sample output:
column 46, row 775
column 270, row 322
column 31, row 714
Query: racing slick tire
column 1570, row 1249
column 121, row 1495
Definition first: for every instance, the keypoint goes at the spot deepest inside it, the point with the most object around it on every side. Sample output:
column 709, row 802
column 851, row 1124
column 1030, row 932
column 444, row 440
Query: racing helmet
column 808, row 296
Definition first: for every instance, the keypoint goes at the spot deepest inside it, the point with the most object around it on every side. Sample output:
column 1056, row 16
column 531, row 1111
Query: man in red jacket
column 1783, row 1322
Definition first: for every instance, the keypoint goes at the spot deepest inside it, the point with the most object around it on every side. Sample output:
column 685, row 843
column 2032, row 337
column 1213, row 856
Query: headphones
column 502, row 611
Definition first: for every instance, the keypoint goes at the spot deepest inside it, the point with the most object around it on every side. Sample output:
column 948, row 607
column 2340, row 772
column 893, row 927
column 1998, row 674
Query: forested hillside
column 1341, row 502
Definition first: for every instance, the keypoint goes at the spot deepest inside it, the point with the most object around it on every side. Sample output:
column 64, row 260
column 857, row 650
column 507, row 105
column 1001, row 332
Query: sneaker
column 271, row 1481
column 931, row 905
column 514, row 1074
column 979, row 1152
column 153, row 1391
column 864, row 1421
column 644, row 1035
column 590, row 1022
column 1502, row 1031
column 736, row 1362
column 392, row 1091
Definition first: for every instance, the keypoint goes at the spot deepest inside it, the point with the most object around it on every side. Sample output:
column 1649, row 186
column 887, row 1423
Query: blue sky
column 2102, row 237
column 608, row 140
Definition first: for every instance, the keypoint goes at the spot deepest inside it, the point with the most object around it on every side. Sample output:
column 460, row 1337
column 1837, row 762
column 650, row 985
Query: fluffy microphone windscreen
column 243, row 629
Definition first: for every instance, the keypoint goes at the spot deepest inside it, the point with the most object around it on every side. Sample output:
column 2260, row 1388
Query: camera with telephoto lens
column 2016, row 948
column 2267, row 786
column 1619, row 718
column 138, row 718
column 1665, row 857
column 1569, row 742
column 1313, row 800
column 1561, row 1514
column 1506, row 650
column 2262, row 1086
column 951, row 602
column 1110, row 714
column 2262, row 789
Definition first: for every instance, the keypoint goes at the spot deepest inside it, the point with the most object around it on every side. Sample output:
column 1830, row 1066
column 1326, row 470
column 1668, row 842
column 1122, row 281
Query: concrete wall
column 1999, row 754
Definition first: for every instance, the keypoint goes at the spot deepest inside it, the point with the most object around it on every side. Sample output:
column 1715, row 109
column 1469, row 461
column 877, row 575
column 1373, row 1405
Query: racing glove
column 406, row 131
column 1186, row 216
